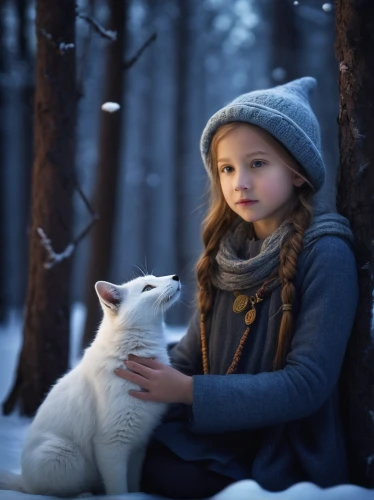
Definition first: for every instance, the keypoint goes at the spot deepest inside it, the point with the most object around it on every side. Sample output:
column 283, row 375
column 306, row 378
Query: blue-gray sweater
column 281, row 427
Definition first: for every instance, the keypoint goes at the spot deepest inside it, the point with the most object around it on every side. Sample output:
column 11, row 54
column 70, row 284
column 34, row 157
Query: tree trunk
column 355, row 53
column 108, row 169
column 44, row 354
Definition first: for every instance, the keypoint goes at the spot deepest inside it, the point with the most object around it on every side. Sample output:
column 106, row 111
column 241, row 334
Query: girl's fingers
column 139, row 368
column 150, row 362
column 133, row 377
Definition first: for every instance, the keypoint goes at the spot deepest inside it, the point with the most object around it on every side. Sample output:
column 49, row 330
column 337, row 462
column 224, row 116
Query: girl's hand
column 161, row 382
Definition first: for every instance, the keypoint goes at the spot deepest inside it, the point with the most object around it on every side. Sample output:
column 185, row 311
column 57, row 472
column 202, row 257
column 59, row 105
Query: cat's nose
column 175, row 277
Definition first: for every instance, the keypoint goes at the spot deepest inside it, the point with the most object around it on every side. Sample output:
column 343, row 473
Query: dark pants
column 165, row 474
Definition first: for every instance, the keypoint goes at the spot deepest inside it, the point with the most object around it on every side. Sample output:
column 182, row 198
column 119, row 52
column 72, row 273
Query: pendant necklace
column 240, row 304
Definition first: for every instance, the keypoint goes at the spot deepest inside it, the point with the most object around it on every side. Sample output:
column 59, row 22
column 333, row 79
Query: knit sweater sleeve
column 185, row 356
column 328, row 300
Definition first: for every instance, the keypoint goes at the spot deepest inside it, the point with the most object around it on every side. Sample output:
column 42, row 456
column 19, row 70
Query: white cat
column 89, row 434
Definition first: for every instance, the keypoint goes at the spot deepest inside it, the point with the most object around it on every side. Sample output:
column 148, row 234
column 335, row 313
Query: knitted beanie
column 283, row 111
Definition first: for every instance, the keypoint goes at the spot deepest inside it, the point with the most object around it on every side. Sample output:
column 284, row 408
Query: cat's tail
column 10, row 481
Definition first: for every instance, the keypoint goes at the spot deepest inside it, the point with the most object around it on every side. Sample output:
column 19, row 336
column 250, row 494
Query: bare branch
column 132, row 61
column 84, row 198
column 55, row 258
column 80, row 236
column 111, row 35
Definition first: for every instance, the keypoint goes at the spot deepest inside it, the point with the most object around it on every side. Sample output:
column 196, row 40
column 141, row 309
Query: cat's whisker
column 185, row 302
column 141, row 270
column 135, row 276
column 158, row 304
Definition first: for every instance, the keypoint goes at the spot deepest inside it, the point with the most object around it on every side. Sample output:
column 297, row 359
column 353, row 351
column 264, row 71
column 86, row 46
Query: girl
column 255, row 378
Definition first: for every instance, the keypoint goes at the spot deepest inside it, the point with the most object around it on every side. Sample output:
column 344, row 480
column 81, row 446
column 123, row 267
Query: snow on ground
column 13, row 430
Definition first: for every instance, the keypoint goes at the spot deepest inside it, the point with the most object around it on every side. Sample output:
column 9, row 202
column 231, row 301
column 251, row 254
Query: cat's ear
column 110, row 295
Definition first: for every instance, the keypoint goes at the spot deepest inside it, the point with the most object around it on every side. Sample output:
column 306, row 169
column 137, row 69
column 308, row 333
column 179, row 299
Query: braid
column 292, row 247
column 205, row 302
column 214, row 227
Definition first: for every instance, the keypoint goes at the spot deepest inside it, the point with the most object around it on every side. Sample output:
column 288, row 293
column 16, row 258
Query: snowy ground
column 13, row 430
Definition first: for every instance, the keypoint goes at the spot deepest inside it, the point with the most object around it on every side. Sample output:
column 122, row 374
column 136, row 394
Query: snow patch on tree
column 54, row 258
column 64, row 47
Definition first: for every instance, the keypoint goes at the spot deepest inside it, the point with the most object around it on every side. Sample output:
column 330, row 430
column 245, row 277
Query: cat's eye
column 147, row 288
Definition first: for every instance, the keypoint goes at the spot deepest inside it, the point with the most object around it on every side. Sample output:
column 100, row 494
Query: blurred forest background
column 125, row 192
column 150, row 194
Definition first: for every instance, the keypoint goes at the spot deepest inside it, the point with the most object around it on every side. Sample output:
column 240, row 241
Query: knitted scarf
column 234, row 273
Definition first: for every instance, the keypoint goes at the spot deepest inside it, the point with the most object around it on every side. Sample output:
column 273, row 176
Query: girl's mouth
column 247, row 202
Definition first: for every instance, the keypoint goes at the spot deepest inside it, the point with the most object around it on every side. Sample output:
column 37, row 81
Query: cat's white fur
column 89, row 434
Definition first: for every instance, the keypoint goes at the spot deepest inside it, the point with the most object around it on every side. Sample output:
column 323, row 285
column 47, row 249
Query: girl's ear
column 110, row 295
column 298, row 180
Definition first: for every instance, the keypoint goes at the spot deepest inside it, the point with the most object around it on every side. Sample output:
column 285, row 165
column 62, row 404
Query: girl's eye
column 147, row 288
column 258, row 163
column 227, row 169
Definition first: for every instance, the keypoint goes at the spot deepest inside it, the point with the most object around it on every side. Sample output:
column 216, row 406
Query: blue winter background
column 230, row 47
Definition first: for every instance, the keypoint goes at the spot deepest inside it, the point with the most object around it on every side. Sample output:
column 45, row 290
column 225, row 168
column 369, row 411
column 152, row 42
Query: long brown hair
column 218, row 221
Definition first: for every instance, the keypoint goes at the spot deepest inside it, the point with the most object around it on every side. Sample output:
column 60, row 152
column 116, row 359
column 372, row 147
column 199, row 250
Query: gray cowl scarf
column 234, row 273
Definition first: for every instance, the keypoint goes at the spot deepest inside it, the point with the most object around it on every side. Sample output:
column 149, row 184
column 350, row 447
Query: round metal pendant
column 240, row 303
column 250, row 316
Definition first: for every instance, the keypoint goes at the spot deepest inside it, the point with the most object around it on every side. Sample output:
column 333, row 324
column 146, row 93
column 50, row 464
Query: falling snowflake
column 296, row 2
column 327, row 7
column 110, row 107
column 279, row 74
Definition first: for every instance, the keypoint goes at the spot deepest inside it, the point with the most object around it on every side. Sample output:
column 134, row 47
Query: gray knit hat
column 285, row 113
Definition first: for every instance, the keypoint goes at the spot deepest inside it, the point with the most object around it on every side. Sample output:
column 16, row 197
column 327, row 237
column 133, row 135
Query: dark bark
column 355, row 193
column 44, row 354
column 108, row 169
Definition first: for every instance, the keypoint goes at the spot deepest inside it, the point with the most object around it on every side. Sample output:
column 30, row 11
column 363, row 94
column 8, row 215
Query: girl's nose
column 242, row 181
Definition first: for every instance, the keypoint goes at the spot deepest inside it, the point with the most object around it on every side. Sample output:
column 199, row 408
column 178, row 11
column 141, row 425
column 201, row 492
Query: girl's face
column 256, row 182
